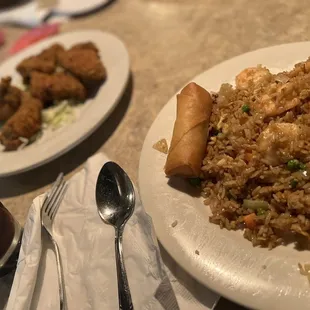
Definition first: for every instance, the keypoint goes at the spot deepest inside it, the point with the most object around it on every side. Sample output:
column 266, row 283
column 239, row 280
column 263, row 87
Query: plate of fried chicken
column 55, row 94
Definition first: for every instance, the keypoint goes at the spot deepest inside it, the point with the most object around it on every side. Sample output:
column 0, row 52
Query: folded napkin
column 87, row 252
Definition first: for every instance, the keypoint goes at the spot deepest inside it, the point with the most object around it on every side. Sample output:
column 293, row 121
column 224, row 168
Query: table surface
column 169, row 42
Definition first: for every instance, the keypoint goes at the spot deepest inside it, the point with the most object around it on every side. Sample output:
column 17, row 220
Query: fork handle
column 60, row 276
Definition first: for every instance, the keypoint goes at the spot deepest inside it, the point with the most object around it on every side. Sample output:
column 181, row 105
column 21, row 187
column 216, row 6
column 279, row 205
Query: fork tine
column 49, row 195
column 56, row 183
column 59, row 200
column 54, row 197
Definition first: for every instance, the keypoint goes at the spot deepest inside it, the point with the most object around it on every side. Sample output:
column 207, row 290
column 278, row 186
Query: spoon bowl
column 115, row 195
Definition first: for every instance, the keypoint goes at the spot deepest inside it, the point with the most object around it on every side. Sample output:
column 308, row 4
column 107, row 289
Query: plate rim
column 122, row 86
column 63, row 9
column 220, row 289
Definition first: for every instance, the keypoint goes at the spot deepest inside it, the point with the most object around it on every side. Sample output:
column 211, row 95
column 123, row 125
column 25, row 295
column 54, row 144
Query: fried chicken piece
column 35, row 63
column 86, row 45
column 57, row 86
column 51, row 52
column 25, row 123
column 44, row 62
column 83, row 61
column 10, row 97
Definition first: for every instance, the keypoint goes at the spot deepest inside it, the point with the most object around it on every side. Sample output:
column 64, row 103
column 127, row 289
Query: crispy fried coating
column 83, row 61
column 10, row 97
column 23, row 124
column 57, row 86
column 44, row 62
column 85, row 45
column 51, row 52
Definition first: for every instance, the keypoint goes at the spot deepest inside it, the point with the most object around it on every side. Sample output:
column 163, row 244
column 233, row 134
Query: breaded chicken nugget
column 57, row 86
column 44, row 62
column 10, row 97
column 51, row 52
column 23, row 124
column 85, row 46
column 83, row 61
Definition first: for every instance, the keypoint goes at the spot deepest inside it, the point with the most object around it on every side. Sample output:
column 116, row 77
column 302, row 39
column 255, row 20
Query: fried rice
column 256, row 171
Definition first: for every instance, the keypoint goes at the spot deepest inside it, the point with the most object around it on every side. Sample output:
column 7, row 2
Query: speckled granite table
column 169, row 42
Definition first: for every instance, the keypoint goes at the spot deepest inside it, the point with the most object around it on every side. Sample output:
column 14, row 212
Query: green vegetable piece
column 255, row 204
column 245, row 108
column 195, row 181
column 261, row 211
column 230, row 196
column 293, row 165
column 293, row 183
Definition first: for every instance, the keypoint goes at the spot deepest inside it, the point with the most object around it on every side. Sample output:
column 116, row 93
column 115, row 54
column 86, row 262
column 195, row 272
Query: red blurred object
column 33, row 36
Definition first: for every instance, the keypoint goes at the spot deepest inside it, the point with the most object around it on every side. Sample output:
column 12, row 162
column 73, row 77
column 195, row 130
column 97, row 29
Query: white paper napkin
column 87, row 251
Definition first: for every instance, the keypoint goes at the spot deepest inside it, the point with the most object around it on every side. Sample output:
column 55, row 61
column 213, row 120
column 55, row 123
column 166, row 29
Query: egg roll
column 190, row 132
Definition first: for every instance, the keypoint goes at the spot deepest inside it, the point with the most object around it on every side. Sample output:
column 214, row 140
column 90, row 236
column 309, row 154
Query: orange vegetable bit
column 250, row 220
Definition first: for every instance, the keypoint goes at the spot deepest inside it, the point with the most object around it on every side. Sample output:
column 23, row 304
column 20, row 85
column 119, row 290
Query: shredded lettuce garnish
column 59, row 114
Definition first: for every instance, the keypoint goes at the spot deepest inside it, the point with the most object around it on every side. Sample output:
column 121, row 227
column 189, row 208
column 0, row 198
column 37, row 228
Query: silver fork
column 48, row 211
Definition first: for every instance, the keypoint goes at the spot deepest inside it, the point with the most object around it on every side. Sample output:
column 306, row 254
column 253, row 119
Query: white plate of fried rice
column 243, row 230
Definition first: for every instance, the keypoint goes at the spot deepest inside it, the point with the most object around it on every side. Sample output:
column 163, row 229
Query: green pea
column 245, row 108
column 293, row 165
column 293, row 183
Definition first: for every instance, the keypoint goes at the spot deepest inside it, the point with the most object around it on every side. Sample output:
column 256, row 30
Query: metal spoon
column 115, row 198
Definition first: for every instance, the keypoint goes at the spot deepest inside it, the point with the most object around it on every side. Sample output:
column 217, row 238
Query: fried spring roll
column 190, row 132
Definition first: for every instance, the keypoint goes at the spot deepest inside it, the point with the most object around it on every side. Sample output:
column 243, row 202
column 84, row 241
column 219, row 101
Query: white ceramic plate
column 227, row 263
column 93, row 112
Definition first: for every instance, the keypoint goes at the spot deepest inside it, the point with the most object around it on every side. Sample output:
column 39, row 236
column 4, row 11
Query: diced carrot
column 250, row 220
column 248, row 156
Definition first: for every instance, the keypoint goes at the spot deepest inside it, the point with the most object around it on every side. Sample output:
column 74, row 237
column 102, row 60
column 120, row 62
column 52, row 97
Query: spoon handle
column 124, row 296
